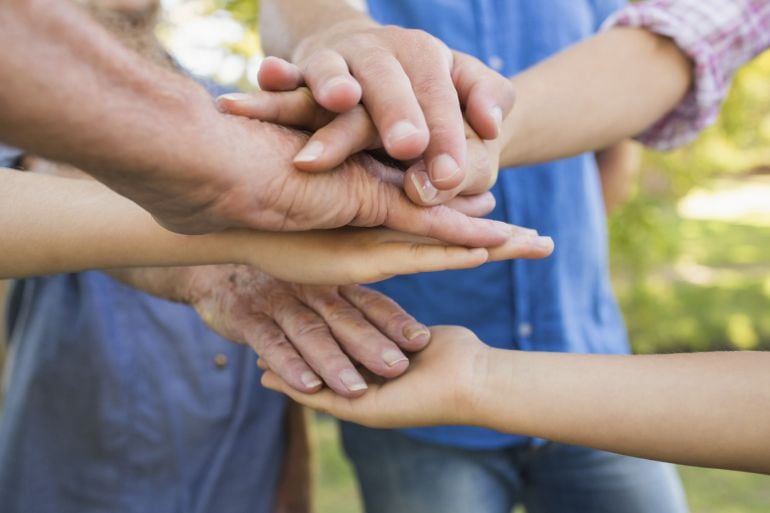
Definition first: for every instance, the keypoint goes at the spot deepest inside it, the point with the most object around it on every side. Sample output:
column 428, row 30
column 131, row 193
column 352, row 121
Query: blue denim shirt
column 114, row 402
column 562, row 303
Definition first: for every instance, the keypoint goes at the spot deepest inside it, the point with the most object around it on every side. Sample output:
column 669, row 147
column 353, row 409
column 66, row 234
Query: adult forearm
column 73, row 93
column 594, row 94
column 710, row 409
column 285, row 23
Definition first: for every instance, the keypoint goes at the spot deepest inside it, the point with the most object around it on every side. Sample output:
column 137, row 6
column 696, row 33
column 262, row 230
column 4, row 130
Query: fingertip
column 404, row 140
column 231, row 102
column 419, row 187
column 417, row 336
column 445, row 172
column 311, row 382
column 309, row 155
column 276, row 74
column 339, row 94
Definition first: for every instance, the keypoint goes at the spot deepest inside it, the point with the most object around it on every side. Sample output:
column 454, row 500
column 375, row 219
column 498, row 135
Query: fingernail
column 332, row 84
column 424, row 187
column 443, row 168
column 311, row 152
column 545, row 243
column 415, row 331
column 479, row 252
column 233, row 97
column 352, row 380
column 497, row 114
column 401, row 131
column 309, row 379
column 393, row 357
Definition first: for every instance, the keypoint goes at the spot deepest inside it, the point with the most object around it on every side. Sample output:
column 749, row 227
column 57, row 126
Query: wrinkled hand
column 437, row 389
column 337, row 136
column 362, row 192
column 413, row 86
column 307, row 333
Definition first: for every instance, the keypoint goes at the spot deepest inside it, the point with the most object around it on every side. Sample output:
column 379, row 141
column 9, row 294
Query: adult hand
column 269, row 193
column 412, row 85
column 337, row 136
column 307, row 333
column 423, row 396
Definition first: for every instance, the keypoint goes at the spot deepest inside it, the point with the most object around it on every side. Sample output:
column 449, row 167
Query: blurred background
column 690, row 247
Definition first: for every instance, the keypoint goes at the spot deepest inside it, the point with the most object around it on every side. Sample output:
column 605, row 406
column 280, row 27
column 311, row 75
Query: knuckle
column 346, row 315
column 312, row 327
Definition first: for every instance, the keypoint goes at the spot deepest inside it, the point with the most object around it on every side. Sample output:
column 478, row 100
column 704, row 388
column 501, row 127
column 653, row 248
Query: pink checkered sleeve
column 719, row 36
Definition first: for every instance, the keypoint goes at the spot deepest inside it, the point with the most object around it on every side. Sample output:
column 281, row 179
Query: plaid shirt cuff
column 719, row 36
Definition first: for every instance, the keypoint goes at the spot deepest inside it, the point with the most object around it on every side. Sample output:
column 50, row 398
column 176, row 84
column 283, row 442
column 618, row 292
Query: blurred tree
column 716, row 309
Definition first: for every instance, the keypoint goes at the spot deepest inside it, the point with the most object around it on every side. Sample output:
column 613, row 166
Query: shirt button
column 496, row 63
column 220, row 360
column 525, row 330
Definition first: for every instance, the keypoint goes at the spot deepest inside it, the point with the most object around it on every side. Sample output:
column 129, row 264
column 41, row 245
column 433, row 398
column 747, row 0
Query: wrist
column 350, row 21
column 494, row 389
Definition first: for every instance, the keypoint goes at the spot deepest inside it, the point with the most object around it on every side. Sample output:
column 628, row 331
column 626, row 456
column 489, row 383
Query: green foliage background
column 649, row 238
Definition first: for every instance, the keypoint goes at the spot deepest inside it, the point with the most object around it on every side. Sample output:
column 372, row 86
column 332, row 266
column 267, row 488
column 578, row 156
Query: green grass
column 709, row 491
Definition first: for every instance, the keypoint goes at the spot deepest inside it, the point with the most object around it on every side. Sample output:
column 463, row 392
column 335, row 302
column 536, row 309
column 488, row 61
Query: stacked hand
column 438, row 388
column 371, row 87
column 306, row 333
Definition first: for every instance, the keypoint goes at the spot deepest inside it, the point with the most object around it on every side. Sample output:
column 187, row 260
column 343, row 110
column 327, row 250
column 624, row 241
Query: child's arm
column 51, row 224
column 708, row 409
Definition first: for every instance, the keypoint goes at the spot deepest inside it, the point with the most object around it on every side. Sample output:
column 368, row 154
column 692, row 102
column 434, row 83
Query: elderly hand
column 307, row 333
column 361, row 192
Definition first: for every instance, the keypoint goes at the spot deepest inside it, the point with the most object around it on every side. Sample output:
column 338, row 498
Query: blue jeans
column 400, row 474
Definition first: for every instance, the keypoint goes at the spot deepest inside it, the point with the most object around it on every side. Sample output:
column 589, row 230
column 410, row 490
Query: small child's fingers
column 293, row 108
column 276, row 74
column 345, row 135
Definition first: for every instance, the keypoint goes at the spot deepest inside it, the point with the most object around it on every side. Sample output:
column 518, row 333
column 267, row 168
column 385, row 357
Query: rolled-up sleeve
column 719, row 36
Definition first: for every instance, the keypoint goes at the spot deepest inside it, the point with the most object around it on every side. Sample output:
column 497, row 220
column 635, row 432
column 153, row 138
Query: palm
column 431, row 392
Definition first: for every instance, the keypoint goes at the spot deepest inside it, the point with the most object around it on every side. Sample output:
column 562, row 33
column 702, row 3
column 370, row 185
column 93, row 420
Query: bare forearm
column 73, row 93
column 594, row 94
column 285, row 23
column 709, row 409
column 52, row 225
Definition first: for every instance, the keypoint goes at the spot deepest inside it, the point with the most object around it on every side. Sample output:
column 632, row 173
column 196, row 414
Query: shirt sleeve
column 9, row 157
column 719, row 36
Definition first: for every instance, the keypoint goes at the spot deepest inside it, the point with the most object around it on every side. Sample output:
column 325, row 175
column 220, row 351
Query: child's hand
column 337, row 136
column 437, row 389
column 366, row 255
